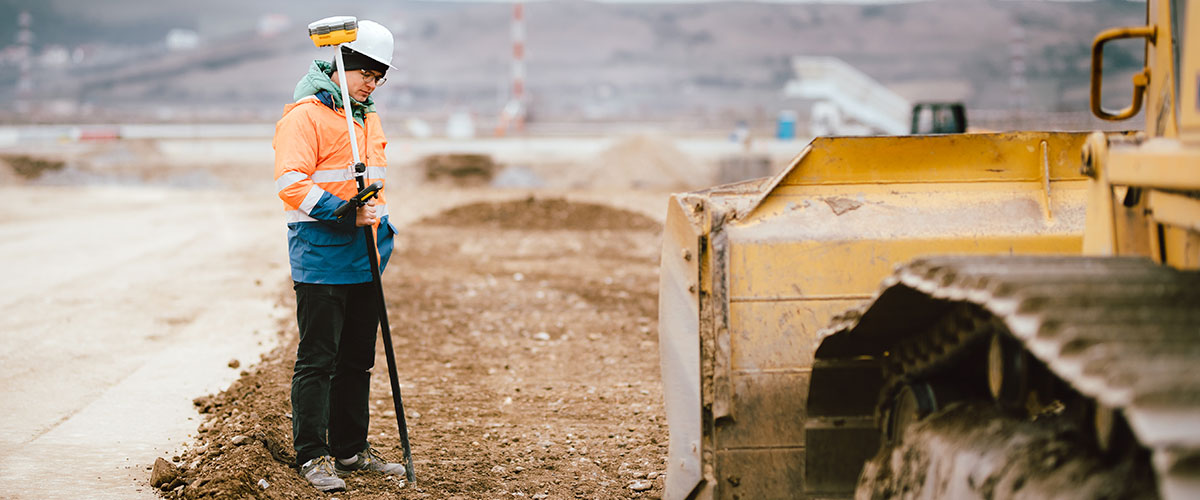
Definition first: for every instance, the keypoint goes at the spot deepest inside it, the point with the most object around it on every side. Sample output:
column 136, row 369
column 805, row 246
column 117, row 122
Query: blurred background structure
column 695, row 66
column 708, row 80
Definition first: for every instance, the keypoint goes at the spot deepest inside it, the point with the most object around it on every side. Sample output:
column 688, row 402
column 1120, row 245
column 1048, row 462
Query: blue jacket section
column 326, row 98
column 323, row 211
column 335, row 253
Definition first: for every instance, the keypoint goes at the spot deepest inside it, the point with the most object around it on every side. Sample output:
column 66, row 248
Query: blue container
column 786, row 128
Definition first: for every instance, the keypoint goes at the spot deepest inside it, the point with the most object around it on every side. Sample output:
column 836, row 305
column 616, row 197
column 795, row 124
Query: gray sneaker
column 320, row 472
column 369, row 460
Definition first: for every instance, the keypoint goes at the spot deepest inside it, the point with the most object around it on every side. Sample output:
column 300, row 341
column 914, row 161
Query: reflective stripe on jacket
column 313, row 177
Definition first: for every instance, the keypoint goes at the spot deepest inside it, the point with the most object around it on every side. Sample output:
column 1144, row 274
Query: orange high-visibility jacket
column 314, row 177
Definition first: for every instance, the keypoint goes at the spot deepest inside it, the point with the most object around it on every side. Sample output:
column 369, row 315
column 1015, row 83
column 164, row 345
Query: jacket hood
column 319, row 79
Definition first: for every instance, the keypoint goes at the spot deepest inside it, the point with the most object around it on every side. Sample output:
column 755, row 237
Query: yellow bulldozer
column 1036, row 332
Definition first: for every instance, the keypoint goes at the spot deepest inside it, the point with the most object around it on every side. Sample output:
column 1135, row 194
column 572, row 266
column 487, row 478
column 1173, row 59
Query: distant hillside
column 590, row 61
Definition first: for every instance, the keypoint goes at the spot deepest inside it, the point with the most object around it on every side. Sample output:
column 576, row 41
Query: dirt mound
column 461, row 169
column 246, row 437
column 542, row 214
column 29, row 167
column 642, row 162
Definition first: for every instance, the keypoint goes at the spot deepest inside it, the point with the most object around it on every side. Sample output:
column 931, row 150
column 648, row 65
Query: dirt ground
column 526, row 333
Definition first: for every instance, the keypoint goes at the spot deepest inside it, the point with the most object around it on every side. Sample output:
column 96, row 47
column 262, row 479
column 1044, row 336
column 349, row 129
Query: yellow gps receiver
column 334, row 30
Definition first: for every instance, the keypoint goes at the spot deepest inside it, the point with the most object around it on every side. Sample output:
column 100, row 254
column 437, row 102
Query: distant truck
column 851, row 103
column 938, row 118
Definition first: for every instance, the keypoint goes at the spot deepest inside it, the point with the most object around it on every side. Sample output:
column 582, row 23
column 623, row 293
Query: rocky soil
column 527, row 349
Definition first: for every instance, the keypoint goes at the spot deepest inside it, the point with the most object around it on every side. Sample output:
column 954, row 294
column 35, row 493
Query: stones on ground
column 452, row 424
column 543, row 336
column 240, row 440
column 203, row 404
column 234, row 363
column 163, row 472
column 640, row 485
column 262, row 483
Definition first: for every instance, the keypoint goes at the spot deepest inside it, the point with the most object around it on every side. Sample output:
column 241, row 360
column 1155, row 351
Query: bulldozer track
column 1122, row 333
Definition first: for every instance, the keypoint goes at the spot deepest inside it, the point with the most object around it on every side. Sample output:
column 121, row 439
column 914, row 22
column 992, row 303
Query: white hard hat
column 374, row 41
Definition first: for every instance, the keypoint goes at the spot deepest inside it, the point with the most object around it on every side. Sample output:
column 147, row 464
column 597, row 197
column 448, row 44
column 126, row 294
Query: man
column 336, row 304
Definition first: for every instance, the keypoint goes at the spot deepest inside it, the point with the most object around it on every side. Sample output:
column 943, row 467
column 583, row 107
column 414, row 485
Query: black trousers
column 331, row 383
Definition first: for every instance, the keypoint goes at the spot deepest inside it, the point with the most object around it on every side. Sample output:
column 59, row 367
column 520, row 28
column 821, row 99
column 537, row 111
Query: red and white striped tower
column 513, row 115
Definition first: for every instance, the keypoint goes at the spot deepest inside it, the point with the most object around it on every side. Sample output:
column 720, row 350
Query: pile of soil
column 528, row 360
column 644, row 162
column 29, row 167
column 542, row 214
column 460, row 169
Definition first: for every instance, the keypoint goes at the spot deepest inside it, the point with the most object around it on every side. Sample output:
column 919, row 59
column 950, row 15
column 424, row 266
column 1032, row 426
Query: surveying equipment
column 334, row 31
column 366, row 194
